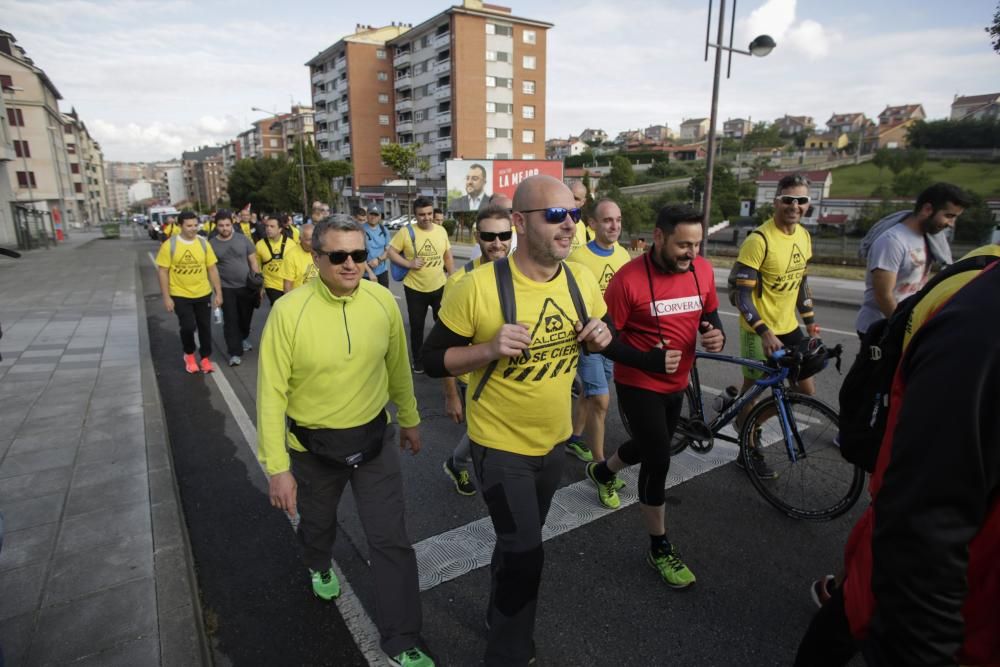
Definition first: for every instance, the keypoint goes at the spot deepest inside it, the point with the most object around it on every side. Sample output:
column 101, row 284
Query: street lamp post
column 760, row 46
column 302, row 166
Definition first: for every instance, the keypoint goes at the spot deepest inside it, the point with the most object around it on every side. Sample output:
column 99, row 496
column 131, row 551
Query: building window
column 15, row 117
column 383, row 98
column 528, row 62
column 491, row 28
column 504, row 82
column 497, row 29
column 528, row 37
column 528, row 111
column 78, row 187
column 491, row 107
column 425, row 41
column 491, row 82
column 74, row 168
column 383, row 119
column 491, row 56
column 382, row 76
column 26, row 179
column 21, row 149
column 6, row 81
column 273, row 143
column 527, row 136
column 528, row 156
column 491, row 133
column 504, row 133
column 383, row 140
column 503, row 56
column 380, row 54
column 71, row 149
column 528, row 87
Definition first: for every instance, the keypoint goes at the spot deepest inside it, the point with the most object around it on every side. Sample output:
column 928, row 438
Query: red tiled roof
column 975, row 99
column 775, row 176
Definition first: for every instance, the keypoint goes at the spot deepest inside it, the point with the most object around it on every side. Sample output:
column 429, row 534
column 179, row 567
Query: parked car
column 400, row 222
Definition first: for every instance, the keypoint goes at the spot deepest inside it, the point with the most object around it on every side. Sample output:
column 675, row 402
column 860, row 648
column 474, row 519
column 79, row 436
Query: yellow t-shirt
column 460, row 273
column 294, row 231
column 170, row 230
column 431, row 246
column 582, row 236
column 271, row 263
column 247, row 229
column 298, row 266
column 188, row 266
column 525, row 406
column 604, row 267
column 781, row 270
column 207, row 227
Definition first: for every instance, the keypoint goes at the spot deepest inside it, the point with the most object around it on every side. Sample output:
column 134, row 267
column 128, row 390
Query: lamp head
column 762, row 45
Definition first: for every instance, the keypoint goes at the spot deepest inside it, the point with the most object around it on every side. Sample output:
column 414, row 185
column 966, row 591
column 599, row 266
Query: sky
column 154, row 78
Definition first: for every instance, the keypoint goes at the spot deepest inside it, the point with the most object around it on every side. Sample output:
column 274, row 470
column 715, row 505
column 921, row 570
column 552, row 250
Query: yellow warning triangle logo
column 797, row 262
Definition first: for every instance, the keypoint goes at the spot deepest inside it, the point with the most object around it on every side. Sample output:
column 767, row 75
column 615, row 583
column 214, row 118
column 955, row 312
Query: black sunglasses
column 340, row 256
column 790, row 199
column 556, row 214
column 489, row 237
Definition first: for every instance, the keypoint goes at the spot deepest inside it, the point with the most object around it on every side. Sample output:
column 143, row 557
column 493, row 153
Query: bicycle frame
column 774, row 380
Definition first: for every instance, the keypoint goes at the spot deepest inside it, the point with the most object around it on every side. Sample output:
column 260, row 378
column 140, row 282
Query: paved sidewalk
column 95, row 565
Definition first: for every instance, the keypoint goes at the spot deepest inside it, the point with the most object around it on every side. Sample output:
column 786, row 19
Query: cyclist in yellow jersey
column 427, row 255
column 523, row 412
column 298, row 267
column 603, row 256
column 270, row 255
column 771, row 286
column 493, row 237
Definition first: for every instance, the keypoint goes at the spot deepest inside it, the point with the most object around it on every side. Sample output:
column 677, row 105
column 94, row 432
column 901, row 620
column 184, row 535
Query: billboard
column 471, row 183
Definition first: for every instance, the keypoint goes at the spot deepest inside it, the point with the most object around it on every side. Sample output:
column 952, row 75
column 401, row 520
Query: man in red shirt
column 660, row 300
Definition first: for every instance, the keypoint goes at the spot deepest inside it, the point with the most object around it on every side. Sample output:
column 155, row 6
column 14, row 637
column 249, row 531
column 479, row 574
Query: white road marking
column 852, row 334
column 357, row 620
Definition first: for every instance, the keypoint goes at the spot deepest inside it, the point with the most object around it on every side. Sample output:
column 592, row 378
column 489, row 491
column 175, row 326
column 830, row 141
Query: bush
column 450, row 225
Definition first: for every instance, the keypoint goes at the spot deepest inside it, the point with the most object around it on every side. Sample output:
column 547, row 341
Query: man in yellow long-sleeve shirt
column 313, row 437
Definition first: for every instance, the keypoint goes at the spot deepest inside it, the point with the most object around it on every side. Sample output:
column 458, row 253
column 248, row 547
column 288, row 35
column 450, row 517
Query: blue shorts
column 595, row 374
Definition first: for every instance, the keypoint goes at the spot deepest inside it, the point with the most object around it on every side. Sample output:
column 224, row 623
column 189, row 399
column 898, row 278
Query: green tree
column 763, row 213
column 637, row 214
column 319, row 174
column 621, row 172
column 406, row 163
column 881, row 159
column 763, row 135
column 262, row 183
column 994, row 30
column 725, row 192
column 975, row 223
column 910, row 182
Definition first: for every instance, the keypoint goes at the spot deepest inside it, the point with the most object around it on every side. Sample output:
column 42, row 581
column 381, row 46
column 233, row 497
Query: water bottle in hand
column 217, row 314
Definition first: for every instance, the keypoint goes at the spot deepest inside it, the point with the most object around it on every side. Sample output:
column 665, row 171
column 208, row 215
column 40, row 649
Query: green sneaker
column 619, row 483
column 325, row 585
column 579, row 449
column 672, row 569
column 606, row 493
column 413, row 657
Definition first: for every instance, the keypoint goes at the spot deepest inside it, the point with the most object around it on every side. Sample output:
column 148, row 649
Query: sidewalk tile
column 28, row 545
column 35, row 484
column 61, row 439
column 95, row 623
column 15, row 637
column 73, row 575
column 93, row 497
column 22, row 464
column 88, row 531
column 32, row 511
column 108, row 470
column 21, row 589
column 145, row 651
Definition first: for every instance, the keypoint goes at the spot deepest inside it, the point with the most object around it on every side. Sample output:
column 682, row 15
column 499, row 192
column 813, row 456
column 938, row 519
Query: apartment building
column 470, row 82
column 231, row 153
column 204, row 175
column 736, row 128
column 88, row 196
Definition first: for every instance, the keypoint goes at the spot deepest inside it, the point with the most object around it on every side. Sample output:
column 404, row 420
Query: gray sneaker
column 246, row 345
column 235, row 361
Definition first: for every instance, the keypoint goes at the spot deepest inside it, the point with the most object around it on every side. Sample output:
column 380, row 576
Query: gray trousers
column 378, row 493
column 518, row 491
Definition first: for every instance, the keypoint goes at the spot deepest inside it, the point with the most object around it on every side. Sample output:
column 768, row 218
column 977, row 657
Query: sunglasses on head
column 556, row 214
column 340, row 256
column 789, row 199
column 489, row 237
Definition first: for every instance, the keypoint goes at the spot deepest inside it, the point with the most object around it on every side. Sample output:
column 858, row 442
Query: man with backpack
column 923, row 563
column 377, row 242
column 188, row 278
column 270, row 257
column 522, row 357
column 899, row 260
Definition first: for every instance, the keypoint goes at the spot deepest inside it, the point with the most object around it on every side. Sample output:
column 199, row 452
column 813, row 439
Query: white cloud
column 777, row 18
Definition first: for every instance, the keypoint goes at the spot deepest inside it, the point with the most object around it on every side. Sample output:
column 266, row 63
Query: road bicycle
column 795, row 433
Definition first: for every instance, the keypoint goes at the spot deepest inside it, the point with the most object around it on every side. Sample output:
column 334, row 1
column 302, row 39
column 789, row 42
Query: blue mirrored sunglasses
column 556, row 214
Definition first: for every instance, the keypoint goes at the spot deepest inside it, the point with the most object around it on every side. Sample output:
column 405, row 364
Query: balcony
column 341, row 63
column 442, row 93
column 402, row 58
column 403, row 79
column 442, row 66
column 345, row 151
column 443, row 118
column 442, row 40
column 442, row 143
column 341, row 84
column 404, row 125
column 404, row 105
column 342, row 106
column 317, row 76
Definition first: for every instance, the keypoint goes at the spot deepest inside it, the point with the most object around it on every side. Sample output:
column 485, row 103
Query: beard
column 671, row 264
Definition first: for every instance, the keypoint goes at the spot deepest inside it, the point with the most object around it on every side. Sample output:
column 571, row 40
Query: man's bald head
column 579, row 191
column 538, row 191
column 501, row 201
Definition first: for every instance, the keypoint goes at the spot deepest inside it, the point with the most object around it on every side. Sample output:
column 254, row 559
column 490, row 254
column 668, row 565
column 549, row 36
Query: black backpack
column 508, row 306
column 731, row 281
column 864, row 395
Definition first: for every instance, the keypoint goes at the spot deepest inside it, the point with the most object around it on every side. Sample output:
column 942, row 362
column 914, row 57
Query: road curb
column 178, row 605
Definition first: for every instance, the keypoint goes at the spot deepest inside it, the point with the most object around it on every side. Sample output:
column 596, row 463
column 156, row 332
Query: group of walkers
column 549, row 297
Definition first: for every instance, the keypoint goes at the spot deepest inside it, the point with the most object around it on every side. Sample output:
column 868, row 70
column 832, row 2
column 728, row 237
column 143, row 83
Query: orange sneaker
column 190, row 364
column 206, row 365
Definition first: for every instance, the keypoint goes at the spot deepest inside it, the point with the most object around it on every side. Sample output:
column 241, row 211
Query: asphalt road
column 599, row 602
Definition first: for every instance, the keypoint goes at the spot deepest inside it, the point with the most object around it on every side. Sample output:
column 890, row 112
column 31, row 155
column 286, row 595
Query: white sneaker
column 246, row 345
column 235, row 361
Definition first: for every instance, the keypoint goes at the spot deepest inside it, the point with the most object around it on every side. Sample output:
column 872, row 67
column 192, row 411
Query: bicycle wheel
column 819, row 485
column 678, row 443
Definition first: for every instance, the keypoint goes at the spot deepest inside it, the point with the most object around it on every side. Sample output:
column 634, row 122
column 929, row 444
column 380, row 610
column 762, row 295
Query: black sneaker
column 460, row 477
column 760, row 467
column 418, row 368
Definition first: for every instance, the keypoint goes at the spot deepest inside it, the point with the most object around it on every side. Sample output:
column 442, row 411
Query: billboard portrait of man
column 472, row 178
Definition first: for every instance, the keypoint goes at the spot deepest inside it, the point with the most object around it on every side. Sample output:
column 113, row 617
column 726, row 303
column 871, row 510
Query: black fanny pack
column 348, row 447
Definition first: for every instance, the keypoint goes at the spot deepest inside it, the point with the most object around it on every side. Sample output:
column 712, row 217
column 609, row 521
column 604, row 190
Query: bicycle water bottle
column 217, row 313
column 724, row 400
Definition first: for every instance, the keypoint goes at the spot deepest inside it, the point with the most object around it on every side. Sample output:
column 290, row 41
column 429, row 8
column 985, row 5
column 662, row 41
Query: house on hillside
column 660, row 133
column 975, row 107
column 626, row 136
column 846, row 123
column 819, row 189
column 559, row 149
column 590, row 135
column 694, row 129
column 832, row 141
column 791, row 125
column 901, row 114
column 571, row 175
column 893, row 135
column 736, row 128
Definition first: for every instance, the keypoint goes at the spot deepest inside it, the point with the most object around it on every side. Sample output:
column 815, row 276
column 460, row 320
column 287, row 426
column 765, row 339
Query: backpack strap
column 413, row 240
column 576, row 296
column 173, row 246
column 508, row 307
column 470, row 265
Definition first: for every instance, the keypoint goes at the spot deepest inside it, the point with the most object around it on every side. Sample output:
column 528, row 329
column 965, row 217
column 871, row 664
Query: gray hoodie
column 936, row 243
